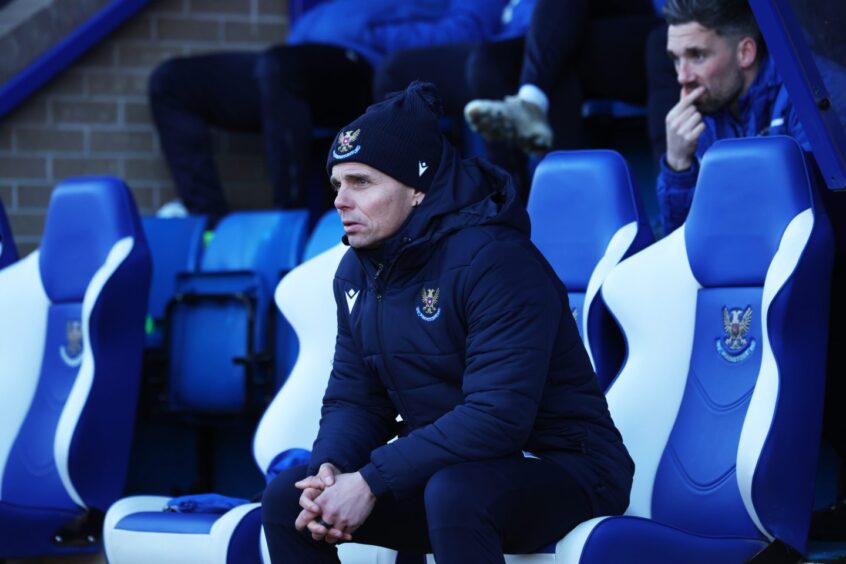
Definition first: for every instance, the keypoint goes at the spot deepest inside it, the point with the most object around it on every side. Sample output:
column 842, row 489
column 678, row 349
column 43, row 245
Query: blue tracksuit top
column 459, row 325
column 765, row 109
column 380, row 27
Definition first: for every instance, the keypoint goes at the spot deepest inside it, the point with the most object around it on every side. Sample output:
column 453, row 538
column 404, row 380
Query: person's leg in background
column 190, row 95
column 573, row 48
column 492, row 72
column 556, row 30
column 442, row 65
column 302, row 87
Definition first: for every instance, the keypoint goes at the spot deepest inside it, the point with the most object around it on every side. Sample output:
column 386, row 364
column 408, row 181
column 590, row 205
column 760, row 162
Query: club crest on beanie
column 399, row 136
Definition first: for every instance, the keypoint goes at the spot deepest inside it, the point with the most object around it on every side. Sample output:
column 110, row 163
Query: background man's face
column 372, row 205
column 703, row 58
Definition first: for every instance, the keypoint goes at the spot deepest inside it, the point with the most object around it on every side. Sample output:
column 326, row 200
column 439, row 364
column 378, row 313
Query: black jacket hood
column 463, row 193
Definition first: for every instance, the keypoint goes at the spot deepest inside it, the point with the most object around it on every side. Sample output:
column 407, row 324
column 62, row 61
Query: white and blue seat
column 587, row 216
column 136, row 528
column 71, row 342
column 8, row 251
column 720, row 398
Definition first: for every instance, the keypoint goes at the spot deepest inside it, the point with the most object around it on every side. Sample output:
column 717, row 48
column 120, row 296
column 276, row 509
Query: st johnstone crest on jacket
column 71, row 351
column 735, row 346
column 429, row 310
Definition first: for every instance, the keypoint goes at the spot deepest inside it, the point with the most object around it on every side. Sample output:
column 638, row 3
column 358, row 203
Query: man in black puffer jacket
column 451, row 319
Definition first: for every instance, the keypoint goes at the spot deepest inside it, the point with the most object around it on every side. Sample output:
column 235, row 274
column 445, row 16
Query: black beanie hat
column 399, row 136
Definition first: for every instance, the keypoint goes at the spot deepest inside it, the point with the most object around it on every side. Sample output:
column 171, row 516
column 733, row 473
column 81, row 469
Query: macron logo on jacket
column 352, row 296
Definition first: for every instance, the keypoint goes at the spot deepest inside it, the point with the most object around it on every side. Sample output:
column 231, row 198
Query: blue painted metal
column 65, row 52
column 807, row 91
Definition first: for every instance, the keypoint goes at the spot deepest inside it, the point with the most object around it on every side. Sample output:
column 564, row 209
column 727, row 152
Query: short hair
column 731, row 19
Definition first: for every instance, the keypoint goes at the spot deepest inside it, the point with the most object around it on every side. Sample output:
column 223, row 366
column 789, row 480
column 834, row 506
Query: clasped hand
column 343, row 501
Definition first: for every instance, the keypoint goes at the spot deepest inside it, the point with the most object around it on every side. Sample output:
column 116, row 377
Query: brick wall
column 93, row 118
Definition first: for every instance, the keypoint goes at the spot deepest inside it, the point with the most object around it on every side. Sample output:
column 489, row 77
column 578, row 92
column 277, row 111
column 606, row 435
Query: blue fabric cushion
column 204, row 503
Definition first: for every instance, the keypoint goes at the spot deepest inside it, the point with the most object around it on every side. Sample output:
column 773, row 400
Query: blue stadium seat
column 136, row 528
column 720, row 398
column 326, row 234
column 8, row 251
column 224, row 344
column 71, row 342
column 586, row 217
column 176, row 244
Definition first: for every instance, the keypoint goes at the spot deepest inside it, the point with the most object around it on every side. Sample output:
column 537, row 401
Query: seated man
column 729, row 88
column 287, row 90
column 449, row 317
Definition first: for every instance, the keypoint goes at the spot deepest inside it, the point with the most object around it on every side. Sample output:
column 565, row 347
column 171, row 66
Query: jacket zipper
column 379, row 314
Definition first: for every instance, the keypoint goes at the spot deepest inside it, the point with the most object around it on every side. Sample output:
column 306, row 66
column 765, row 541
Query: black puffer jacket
column 459, row 325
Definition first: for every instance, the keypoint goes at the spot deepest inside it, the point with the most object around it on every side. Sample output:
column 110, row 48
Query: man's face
column 372, row 204
column 703, row 58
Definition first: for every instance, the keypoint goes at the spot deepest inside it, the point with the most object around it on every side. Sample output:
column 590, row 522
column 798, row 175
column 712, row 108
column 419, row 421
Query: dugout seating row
column 718, row 399
column 719, row 406
column 604, row 224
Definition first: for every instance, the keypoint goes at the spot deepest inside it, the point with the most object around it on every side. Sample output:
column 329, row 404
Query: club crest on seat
column 71, row 351
column 734, row 346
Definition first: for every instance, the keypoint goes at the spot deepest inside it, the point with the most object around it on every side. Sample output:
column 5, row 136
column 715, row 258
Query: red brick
column 273, row 8
column 139, row 27
column 135, row 113
column 7, row 195
column 143, row 196
column 64, row 167
column 34, row 195
column 29, row 223
column 123, row 84
column 49, row 140
column 77, row 111
column 146, row 169
column 5, row 138
column 166, row 7
column 102, row 55
column 144, row 56
column 23, row 167
column 218, row 6
column 121, row 141
column 34, row 110
column 186, row 29
column 68, row 82
column 265, row 33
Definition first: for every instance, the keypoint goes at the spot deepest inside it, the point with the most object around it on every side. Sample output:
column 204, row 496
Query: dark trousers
column 283, row 92
column 469, row 512
column 573, row 50
column 442, row 65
